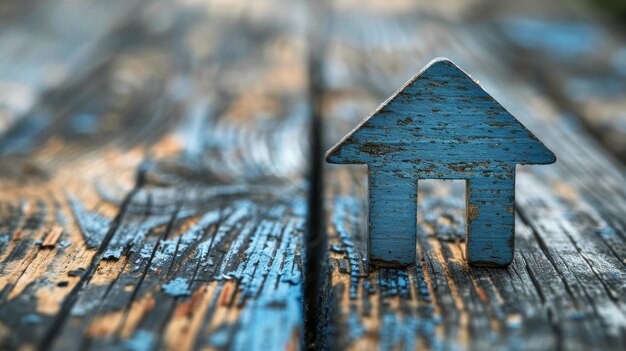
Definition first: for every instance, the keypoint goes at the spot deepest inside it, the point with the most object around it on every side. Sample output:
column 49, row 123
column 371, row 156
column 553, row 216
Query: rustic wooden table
column 162, row 184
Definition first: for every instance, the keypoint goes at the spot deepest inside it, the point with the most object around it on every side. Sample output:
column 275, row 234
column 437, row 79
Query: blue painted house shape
column 441, row 125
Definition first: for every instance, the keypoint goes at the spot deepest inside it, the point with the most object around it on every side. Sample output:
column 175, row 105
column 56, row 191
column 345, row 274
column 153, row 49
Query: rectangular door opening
column 441, row 209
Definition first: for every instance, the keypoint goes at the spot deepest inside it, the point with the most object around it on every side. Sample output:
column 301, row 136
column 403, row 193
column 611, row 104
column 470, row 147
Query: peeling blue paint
column 345, row 221
column 356, row 330
column 93, row 226
column 131, row 234
column 177, row 287
column 219, row 338
column 440, row 125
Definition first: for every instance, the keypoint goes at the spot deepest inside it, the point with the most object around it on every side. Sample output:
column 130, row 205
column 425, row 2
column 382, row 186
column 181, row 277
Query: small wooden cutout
column 441, row 125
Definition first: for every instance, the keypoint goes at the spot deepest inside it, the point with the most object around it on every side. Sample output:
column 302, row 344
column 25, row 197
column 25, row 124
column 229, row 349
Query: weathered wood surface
column 161, row 202
column 44, row 44
column 155, row 196
column 441, row 124
column 566, row 286
column 575, row 55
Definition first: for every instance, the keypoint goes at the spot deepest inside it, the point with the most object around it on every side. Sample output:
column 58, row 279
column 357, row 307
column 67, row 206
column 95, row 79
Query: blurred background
column 573, row 49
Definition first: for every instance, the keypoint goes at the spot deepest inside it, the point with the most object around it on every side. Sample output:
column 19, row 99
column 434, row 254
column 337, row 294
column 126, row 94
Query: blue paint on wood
column 441, row 125
column 392, row 215
column 93, row 226
column 345, row 222
column 142, row 340
column 177, row 287
column 31, row 318
column 491, row 218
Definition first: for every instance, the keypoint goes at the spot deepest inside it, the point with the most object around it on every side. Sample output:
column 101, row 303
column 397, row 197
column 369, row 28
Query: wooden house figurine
column 441, row 125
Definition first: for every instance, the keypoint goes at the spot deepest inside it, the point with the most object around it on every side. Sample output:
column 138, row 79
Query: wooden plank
column 40, row 49
column 176, row 171
column 576, row 54
column 564, row 289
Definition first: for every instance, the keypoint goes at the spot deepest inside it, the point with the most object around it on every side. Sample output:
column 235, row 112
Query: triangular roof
column 442, row 115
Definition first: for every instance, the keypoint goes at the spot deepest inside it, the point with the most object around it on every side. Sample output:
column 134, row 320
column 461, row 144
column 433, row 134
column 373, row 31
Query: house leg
column 491, row 219
column 392, row 218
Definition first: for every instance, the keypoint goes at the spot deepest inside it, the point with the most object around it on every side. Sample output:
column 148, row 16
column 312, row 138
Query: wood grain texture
column 576, row 54
column 174, row 159
column 441, row 125
column 40, row 49
column 181, row 220
column 563, row 290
